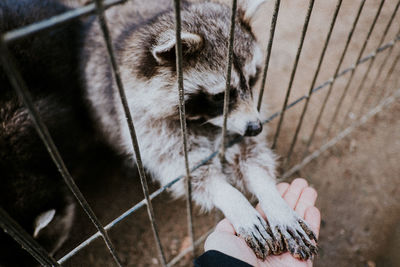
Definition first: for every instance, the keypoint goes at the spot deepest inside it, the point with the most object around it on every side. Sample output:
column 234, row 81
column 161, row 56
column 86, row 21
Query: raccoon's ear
column 247, row 9
column 164, row 50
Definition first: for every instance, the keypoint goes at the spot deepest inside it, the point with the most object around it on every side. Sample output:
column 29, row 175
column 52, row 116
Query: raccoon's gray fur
column 144, row 43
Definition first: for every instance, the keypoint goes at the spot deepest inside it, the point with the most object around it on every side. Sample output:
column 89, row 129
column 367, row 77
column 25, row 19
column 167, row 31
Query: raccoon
column 144, row 44
column 76, row 95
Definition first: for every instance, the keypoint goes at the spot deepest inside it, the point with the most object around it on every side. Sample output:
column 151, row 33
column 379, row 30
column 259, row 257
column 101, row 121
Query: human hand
column 300, row 197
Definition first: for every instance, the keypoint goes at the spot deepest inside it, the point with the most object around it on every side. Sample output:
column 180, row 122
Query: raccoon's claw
column 264, row 239
column 296, row 239
column 257, row 238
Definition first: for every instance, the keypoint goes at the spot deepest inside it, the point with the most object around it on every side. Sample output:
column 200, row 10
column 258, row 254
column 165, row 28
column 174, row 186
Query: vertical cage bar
column 303, row 35
column 228, row 78
column 24, row 95
column 178, row 50
column 11, row 227
column 132, row 132
column 268, row 56
column 321, row 111
column 321, row 59
column 373, row 61
column 369, row 67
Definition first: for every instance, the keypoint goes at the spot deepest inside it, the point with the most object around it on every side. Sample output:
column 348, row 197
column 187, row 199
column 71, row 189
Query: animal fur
column 85, row 116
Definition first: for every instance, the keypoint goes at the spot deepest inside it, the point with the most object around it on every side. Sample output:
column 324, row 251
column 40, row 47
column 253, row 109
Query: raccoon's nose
column 253, row 128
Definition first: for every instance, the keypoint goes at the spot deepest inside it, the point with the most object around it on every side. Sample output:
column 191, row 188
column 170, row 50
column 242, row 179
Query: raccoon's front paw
column 293, row 235
column 254, row 230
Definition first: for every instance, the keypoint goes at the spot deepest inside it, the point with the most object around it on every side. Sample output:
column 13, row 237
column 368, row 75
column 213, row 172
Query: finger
column 307, row 199
column 294, row 191
column 282, row 188
column 313, row 218
column 225, row 226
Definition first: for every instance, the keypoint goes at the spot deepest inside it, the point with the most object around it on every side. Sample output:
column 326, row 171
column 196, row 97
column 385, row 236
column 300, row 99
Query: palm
column 300, row 197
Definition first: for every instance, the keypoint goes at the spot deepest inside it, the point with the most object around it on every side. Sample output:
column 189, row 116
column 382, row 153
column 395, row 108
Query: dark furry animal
column 30, row 184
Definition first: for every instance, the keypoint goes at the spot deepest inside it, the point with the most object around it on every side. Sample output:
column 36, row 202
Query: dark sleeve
column 213, row 258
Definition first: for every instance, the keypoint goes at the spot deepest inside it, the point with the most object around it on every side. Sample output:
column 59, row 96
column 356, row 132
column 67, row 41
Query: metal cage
column 385, row 96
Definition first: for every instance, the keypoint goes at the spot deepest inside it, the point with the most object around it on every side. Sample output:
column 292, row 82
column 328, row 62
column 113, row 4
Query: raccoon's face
column 205, row 35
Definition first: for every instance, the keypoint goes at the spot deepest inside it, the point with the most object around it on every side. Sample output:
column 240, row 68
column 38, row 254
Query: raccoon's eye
column 253, row 79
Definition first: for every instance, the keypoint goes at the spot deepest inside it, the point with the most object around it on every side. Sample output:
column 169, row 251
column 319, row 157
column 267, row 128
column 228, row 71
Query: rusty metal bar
column 269, row 48
column 228, row 78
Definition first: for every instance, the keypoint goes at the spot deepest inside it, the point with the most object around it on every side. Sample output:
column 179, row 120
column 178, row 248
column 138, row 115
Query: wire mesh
column 296, row 61
column 369, row 66
column 389, row 24
column 366, row 74
column 321, row 59
column 98, row 7
column 336, row 71
column 131, row 127
column 317, row 122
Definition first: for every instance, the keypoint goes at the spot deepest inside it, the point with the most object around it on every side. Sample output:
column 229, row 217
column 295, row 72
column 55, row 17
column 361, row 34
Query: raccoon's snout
column 253, row 128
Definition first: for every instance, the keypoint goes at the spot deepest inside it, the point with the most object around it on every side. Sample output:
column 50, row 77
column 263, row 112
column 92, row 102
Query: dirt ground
column 358, row 180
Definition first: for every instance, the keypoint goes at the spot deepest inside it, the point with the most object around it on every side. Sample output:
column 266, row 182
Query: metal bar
column 210, row 157
column 368, row 69
column 342, row 134
column 372, row 62
column 321, row 59
column 179, row 58
column 269, row 48
column 54, row 21
column 228, row 78
column 303, row 35
column 132, row 132
column 349, row 37
column 24, row 95
column 11, row 227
